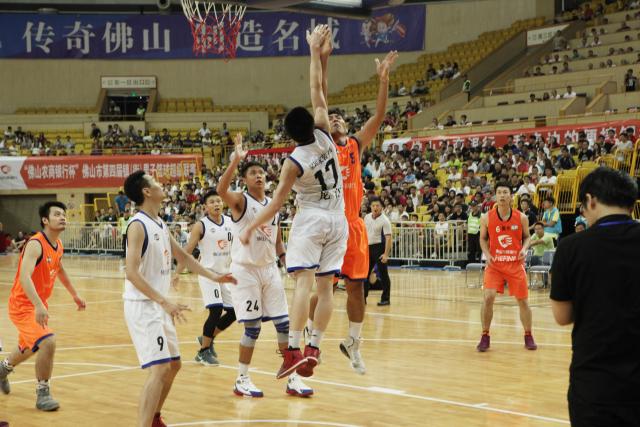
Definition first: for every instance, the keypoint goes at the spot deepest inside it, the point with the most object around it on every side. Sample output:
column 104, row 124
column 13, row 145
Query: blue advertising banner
column 107, row 36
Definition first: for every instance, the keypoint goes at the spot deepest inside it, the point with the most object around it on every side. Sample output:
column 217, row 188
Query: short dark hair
column 539, row 223
column 210, row 193
column 299, row 125
column 246, row 165
column 611, row 187
column 503, row 184
column 133, row 186
column 335, row 111
column 374, row 200
column 45, row 209
column 550, row 199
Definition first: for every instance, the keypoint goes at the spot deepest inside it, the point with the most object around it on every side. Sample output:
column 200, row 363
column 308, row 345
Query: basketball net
column 214, row 26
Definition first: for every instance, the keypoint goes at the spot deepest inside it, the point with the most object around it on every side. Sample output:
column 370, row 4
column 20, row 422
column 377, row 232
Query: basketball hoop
column 214, row 26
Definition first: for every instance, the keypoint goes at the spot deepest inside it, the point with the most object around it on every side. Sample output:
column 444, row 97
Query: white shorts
column 152, row 332
column 259, row 294
column 214, row 294
column 317, row 241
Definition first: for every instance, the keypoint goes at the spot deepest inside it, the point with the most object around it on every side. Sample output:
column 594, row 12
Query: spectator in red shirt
column 5, row 240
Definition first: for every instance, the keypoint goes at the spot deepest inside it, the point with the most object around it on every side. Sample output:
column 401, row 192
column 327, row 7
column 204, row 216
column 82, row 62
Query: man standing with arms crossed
column 504, row 239
column 39, row 265
column 355, row 264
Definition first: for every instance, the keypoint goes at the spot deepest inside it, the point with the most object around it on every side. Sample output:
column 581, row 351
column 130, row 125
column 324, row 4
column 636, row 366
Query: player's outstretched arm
column 64, row 278
column 368, row 132
column 325, row 52
column 135, row 241
column 196, row 233
column 233, row 199
column 288, row 177
column 182, row 257
column 32, row 253
column 318, row 100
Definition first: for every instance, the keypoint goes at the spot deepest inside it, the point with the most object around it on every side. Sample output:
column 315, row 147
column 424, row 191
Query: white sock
column 310, row 324
column 42, row 384
column 243, row 368
column 316, row 337
column 294, row 339
column 355, row 329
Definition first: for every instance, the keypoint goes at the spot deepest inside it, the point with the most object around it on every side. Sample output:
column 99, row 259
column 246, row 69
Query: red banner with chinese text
column 90, row 171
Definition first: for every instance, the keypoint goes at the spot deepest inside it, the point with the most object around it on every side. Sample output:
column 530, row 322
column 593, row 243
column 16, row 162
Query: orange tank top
column 505, row 236
column 44, row 274
column 349, row 159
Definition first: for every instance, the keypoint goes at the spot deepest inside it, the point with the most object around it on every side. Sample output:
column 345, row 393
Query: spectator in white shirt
column 378, row 225
column 441, row 234
column 569, row 93
column 527, row 187
column 548, row 178
column 204, row 131
column 623, row 145
column 402, row 91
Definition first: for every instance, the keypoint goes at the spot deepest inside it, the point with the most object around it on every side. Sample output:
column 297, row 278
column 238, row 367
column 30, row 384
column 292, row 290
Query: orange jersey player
column 39, row 265
column 355, row 266
column 504, row 239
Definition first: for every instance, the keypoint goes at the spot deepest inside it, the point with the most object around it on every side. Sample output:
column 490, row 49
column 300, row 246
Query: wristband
column 281, row 255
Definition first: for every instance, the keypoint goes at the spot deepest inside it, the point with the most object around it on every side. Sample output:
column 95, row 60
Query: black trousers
column 474, row 253
column 375, row 252
column 583, row 414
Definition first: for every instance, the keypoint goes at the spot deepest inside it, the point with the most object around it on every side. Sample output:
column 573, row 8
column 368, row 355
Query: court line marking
column 301, row 422
column 368, row 313
column 382, row 340
column 478, row 406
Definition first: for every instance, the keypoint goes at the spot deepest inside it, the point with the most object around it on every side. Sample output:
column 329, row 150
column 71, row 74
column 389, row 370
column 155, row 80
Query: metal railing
column 413, row 242
column 416, row 242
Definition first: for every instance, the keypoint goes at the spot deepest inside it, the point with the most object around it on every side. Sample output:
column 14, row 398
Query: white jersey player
column 212, row 235
column 318, row 238
column 150, row 316
column 259, row 295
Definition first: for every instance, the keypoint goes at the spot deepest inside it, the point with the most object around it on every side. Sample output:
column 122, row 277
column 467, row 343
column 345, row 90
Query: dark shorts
column 583, row 414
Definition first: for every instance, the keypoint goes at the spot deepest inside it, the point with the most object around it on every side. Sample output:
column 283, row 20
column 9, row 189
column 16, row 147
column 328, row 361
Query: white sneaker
column 244, row 387
column 296, row 387
column 351, row 349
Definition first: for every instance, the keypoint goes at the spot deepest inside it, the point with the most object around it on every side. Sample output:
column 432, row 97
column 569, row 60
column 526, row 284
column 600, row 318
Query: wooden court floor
column 423, row 369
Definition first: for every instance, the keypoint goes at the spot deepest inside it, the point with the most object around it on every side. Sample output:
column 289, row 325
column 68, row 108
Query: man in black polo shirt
column 596, row 286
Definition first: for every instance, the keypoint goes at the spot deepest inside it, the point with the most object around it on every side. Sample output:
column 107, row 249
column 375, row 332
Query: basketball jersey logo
column 266, row 230
column 505, row 240
column 222, row 244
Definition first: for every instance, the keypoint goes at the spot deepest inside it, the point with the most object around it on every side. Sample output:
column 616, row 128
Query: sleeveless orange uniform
column 505, row 244
column 356, row 260
column 21, row 310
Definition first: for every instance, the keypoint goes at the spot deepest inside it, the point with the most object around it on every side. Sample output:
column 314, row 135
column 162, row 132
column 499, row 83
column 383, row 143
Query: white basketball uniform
column 215, row 254
column 319, row 233
column 151, row 328
column 259, row 294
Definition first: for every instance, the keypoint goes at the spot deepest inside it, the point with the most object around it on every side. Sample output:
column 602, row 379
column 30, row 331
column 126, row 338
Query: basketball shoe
column 244, row 387
column 311, row 355
column 292, row 360
column 351, row 349
column 296, row 387
column 484, row 344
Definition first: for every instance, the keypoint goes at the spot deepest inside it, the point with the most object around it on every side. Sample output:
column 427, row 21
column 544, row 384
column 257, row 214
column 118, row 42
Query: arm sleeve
column 561, row 285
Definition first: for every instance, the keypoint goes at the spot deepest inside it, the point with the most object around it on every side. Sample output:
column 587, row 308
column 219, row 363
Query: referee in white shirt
column 379, row 235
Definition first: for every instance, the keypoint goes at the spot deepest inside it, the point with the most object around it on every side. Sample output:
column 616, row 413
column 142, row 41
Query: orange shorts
column 514, row 275
column 30, row 334
column 355, row 265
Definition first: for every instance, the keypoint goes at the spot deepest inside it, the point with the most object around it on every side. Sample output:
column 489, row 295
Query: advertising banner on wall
column 110, row 36
column 499, row 138
column 27, row 173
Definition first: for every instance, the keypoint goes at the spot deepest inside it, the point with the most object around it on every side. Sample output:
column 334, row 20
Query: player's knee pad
column 251, row 334
column 282, row 329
